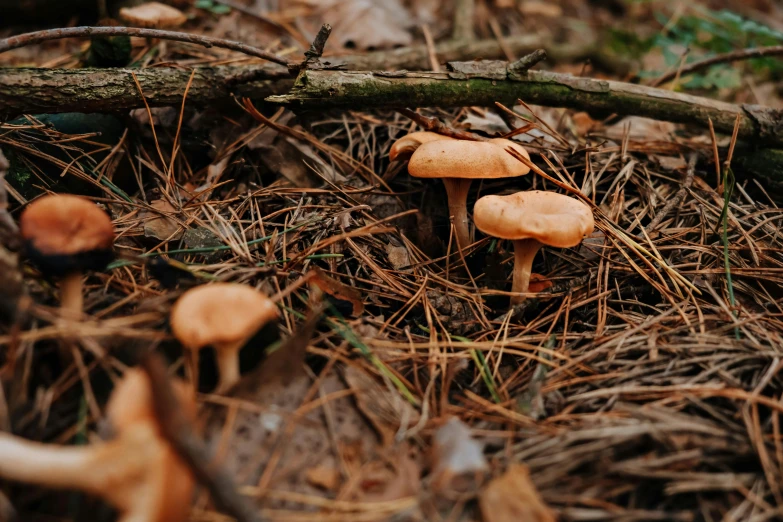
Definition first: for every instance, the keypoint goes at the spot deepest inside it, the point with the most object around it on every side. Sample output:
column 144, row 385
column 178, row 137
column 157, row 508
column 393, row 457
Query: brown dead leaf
column 537, row 8
column 394, row 478
column 325, row 477
column 513, row 497
column 583, row 123
column 489, row 122
column 296, row 161
column 638, row 128
column 398, row 257
column 338, row 290
column 539, row 283
column 365, row 24
column 386, row 410
column 159, row 226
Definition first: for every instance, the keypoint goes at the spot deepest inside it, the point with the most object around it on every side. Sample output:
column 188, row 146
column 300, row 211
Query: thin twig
column 525, row 63
column 179, row 433
column 734, row 56
column 36, row 37
column 677, row 199
column 316, row 50
column 435, row 125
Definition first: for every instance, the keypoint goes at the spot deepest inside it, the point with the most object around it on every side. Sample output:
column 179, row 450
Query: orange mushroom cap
column 551, row 218
column 220, row 313
column 153, row 14
column 408, row 144
column 467, row 159
column 131, row 400
column 66, row 232
column 137, row 471
column 166, row 494
column 66, row 224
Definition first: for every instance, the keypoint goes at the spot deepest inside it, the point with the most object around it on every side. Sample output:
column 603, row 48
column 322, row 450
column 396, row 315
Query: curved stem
column 525, row 251
column 457, row 192
column 71, row 298
column 227, row 356
column 57, row 467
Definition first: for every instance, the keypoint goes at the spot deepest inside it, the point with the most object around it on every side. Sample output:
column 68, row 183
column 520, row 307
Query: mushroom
column 66, row 235
column 458, row 162
column 153, row 14
column 137, row 471
column 222, row 315
column 407, row 145
column 531, row 220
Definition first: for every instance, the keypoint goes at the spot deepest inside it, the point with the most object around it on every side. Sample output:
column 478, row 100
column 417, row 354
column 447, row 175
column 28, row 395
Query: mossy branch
column 483, row 85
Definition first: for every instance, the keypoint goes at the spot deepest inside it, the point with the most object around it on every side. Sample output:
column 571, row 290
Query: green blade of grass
column 728, row 188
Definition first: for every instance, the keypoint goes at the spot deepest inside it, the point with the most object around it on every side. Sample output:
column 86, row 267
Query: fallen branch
column 33, row 91
column 483, row 85
column 22, row 40
column 435, row 125
column 25, row 90
column 734, row 56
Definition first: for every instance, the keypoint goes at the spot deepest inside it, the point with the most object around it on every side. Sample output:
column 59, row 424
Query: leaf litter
column 630, row 388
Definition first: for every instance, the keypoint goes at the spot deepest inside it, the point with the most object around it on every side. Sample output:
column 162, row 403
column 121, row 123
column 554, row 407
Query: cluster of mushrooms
column 136, row 471
column 530, row 219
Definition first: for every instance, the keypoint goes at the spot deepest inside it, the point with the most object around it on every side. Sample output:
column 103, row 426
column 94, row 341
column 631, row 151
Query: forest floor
column 640, row 382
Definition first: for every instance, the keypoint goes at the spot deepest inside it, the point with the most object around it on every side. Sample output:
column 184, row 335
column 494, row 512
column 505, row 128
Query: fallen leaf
column 583, row 123
column 386, row 410
column 490, row 122
column 296, row 162
column 512, row 497
column 159, row 226
column 458, row 459
column 215, row 171
column 365, row 24
column 539, row 283
column 336, row 289
column 398, row 257
column 537, row 8
column 324, row 477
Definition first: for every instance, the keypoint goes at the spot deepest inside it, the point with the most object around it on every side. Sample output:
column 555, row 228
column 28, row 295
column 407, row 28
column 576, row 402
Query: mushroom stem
column 71, row 298
column 457, row 192
column 227, row 356
column 525, row 251
column 92, row 469
column 192, row 361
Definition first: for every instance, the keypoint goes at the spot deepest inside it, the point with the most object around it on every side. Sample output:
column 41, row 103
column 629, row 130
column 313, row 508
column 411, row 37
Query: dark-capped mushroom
column 65, row 236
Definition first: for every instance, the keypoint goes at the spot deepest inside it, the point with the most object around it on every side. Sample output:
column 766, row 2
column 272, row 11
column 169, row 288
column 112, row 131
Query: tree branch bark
column 31, row 91
column 485, row 85
column 101, row 90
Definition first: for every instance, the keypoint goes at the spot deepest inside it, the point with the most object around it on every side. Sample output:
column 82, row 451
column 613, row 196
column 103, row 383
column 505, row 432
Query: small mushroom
column 222, row 315
column 458, row 162
column 66, row 235
column 407, row 145
column 531, row 220
column 137, row 471
column 153, row 14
